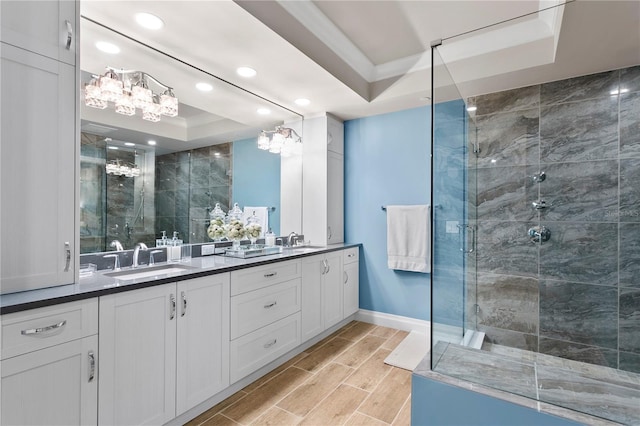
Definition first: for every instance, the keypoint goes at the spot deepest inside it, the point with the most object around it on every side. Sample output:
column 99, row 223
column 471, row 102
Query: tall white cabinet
column 164, row 349
column 38, row 152
column 323, row 180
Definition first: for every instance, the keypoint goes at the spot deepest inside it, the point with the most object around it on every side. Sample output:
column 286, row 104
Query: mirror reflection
column 140, row 178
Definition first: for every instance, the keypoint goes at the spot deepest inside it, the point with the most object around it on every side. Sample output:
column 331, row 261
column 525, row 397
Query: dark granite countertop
column 100, row 284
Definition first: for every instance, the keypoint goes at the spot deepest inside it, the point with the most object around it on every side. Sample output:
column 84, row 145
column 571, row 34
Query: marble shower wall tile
column 629, row 320
column 580, row 191
column 630, row 255
column 508, row 139
column 579, row 313
column 578, row 352
column 506, row 193
column 508, row 302
column 508, row 100
column 579, row 131
column 630, row 125
column 581, row 252
column 629, row 190
column 505, row 248
column 629, row 361
column 630, row 78
column 579, row 88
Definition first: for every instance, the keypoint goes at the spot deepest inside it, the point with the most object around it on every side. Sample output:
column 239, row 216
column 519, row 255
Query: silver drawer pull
column 67, row 250
column 271, row 343
column 270, row 305
column 272, row 274
column 92, row 366
column 351, row 255
column 44, row 329
column 172, row 307
column 69, row 35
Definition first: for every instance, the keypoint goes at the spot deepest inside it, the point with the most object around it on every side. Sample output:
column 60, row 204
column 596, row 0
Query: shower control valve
column 539, row 234
column 539, row 177
column 539, row 205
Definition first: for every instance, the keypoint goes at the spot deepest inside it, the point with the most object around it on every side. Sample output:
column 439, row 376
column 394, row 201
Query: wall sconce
column 128, row 90
column 279, row 141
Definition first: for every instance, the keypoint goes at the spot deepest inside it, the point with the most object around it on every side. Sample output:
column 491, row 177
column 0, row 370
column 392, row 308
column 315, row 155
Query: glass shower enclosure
column 536, row 229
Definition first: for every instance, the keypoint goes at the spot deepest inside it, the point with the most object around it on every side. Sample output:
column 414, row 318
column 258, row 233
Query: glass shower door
column 454, row 225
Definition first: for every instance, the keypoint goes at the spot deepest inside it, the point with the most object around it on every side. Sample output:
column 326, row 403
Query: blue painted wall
column 386, row 162
column 441, row 404
column 256, row 179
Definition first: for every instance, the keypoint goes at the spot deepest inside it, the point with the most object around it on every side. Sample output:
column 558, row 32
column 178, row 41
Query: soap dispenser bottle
column 270, row 238
column 174, row 249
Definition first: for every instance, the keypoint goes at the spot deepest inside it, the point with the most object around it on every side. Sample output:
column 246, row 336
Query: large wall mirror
column 139, row 177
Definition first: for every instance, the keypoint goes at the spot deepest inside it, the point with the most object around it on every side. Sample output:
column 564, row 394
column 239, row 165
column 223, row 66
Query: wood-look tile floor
column 340, row 380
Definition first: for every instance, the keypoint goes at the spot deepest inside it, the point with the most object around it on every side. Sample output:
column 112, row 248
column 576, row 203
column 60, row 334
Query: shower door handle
column 472, row 240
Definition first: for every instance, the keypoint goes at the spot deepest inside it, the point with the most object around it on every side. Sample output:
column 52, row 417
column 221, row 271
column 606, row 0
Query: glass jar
column 235, row 230
column 216, row 230
column 253, row 228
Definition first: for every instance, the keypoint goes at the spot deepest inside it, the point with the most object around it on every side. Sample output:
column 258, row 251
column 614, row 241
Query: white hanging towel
column 262, row 213
column 409, row 238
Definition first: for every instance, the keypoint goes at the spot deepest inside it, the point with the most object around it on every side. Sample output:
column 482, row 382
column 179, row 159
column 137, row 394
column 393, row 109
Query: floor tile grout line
column 407, row 401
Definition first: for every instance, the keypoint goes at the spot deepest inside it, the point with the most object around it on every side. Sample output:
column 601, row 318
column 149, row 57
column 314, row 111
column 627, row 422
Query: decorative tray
column 245, row 252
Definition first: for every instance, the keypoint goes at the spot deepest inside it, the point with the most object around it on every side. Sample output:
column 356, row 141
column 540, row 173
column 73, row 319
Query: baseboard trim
column 393, row 321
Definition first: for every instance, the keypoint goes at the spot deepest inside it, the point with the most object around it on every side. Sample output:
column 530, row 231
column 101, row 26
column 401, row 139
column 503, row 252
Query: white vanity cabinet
column 265, row 315
column 50, row 365
column 322, row 293
column 165, row 350
column 323, row 181
column 39, row 151
column 351, row 279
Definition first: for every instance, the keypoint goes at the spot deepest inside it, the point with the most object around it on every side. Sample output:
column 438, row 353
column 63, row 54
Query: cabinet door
column 203, row 339
column 138, row 356
column 332, row 289
column 335, row 201
column 44, row 27
column 311, row 293
column 52, row 386
column 37, row 173
column 351, row 288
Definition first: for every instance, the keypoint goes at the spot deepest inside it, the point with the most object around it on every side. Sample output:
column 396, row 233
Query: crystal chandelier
column 279, row 141
column 119, row 168
column 129, row 90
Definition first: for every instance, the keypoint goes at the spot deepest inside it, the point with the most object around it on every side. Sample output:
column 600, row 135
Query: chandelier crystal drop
column 129, row 91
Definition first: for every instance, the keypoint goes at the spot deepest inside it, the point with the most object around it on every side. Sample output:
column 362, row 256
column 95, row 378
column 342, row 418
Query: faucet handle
column 151, row 259
column 116, row 263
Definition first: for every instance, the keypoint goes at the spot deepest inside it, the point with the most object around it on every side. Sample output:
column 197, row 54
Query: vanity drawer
column 40, row 328
column 257, row 349
column 250, row 279
column 351, row 255
column 253, row 310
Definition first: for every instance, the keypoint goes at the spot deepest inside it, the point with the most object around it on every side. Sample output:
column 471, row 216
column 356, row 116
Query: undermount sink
column 300, row 249
column 150, row 271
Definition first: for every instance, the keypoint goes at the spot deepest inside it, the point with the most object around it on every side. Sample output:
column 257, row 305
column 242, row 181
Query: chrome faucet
column 293, row 237
column 136, row 252
column 117, row 245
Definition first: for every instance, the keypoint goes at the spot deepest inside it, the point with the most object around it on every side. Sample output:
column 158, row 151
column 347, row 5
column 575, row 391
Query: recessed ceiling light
column 151, row 142
column 302, row 101
column 112, row 147
column 107, row 47
column 472, row 108
column 149, row 21
column 264, row 111
column 204, row 87
column 246, row 72
column 130, row 144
